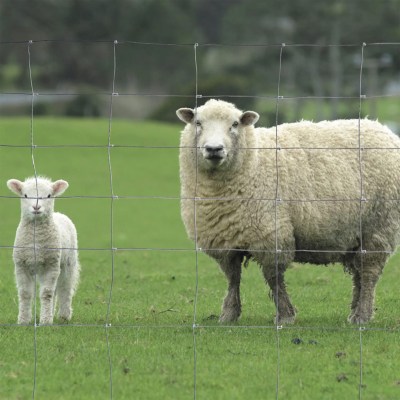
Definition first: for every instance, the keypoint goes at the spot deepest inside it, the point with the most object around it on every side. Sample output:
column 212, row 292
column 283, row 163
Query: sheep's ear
column 15, row 186
column 59, row 187
column 249, row 118
column 185, row 115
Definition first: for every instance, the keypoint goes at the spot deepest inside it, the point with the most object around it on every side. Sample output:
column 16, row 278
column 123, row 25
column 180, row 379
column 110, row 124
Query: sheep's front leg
column 231, row 265
column 26, row 290
column 285, row 312
column 48, row 283
column 356, row 291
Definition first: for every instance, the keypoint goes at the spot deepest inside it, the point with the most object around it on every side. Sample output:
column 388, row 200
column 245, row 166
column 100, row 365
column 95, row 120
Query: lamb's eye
column 48, row 196
column 235, row 124
column 26, row 196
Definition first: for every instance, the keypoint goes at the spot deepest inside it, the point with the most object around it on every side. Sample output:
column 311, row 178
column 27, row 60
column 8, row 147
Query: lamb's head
column 37, row 195
column 216, row 130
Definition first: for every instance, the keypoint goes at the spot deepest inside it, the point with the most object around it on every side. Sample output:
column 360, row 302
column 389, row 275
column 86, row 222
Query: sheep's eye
column 235, row 124
column 48, row 196
column 26, row 196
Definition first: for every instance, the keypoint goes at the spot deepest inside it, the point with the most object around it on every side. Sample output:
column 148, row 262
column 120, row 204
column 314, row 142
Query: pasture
column 153, row 287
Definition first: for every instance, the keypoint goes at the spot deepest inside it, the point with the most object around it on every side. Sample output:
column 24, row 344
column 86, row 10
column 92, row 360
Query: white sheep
column 45, row 246
column 322, row 193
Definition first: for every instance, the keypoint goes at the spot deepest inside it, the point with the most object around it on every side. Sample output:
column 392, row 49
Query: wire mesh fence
column 112, row 248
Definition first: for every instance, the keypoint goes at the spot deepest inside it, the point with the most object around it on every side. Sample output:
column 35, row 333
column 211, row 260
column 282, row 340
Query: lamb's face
column 216, row 131
column 37, row 196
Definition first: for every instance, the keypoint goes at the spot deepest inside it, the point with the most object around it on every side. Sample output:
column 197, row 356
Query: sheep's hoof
column 229, row 316
column 357, row 319
column 285, row 320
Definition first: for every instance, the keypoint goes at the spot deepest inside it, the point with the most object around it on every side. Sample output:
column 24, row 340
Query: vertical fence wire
column 113, row 197
column 362, row 202
column 277, row 202
column 35, row 323
column 196, row 291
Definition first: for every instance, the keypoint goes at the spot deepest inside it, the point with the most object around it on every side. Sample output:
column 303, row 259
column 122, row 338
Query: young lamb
column 45, row 246
column 304, row 192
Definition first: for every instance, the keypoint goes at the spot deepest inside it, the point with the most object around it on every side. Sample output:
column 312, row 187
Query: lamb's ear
column 59, row 187
column 15, row 186
column 185, row 115
column 249, row 118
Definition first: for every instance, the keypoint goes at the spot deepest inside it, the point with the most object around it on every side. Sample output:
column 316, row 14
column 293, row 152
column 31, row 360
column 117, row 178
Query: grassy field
column 151, row 350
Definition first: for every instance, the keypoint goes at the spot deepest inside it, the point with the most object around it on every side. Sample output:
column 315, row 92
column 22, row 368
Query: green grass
column 150, row 341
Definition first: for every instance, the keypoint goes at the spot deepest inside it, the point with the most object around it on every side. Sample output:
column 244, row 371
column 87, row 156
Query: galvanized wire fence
column 112, row 249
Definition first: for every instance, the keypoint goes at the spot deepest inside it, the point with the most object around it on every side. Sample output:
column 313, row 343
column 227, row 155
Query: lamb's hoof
column 24, row 323
column 64, row 320
column 65, row 317
column 24, row 319
column 46, row 321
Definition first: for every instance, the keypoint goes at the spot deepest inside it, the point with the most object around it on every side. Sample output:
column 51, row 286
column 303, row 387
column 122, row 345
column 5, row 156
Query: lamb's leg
column 26, row 290
column 48, row 282
column 66, row 286
column 64, row 296
column 285, row 312
column 231, row 265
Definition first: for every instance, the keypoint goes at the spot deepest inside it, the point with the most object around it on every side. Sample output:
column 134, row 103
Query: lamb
column 322, row 193
column 45, row 246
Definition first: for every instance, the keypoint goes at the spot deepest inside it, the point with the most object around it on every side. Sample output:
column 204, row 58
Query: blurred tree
column 66, row 55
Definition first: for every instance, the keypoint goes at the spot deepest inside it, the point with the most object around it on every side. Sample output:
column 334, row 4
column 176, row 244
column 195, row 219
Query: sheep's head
column 215, row 129
column 37, row 195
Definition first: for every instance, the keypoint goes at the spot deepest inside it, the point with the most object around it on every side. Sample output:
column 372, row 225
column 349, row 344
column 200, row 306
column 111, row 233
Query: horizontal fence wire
column 199, row 44
column 235, row 249
column 360, row 150
column 216, row 95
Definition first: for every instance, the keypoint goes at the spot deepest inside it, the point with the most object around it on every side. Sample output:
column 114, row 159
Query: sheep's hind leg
column 231, row 265
column 363, row 312
column 369, row 270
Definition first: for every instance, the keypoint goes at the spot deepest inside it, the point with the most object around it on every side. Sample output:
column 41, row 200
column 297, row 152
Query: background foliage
column 77, row 67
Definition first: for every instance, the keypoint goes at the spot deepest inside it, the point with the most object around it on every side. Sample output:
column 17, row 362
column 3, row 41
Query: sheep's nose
column 37, row 207
column 213, row 150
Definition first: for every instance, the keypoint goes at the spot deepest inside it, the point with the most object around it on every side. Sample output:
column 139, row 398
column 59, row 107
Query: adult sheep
column 322, row 193
column 45, row 246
